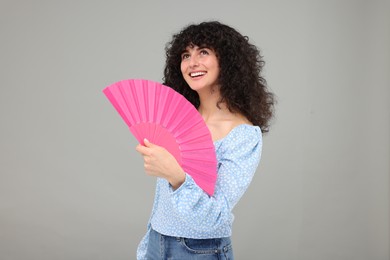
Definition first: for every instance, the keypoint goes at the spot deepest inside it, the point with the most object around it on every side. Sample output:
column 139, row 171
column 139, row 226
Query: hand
column 160, row 163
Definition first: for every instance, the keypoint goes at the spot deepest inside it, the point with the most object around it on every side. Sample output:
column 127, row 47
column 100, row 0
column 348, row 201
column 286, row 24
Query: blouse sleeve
column 237, row 163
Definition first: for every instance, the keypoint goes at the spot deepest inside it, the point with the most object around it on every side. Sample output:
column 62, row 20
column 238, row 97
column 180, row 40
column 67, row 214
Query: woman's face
column 200, row 68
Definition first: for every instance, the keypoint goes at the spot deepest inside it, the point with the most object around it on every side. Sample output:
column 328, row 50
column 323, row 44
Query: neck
column 208, row 105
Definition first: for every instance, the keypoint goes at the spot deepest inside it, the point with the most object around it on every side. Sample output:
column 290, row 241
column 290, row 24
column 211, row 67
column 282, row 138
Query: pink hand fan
column 166, row 118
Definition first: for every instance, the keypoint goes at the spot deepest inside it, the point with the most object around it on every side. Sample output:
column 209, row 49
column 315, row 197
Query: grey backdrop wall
column 72, row 185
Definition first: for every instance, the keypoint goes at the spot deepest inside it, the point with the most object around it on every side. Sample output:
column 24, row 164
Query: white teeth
column 195, row 74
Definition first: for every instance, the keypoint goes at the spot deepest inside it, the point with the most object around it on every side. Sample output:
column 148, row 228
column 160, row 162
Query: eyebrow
column 196, row 47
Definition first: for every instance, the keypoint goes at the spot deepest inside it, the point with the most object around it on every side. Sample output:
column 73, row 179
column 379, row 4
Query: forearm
column 176, row 179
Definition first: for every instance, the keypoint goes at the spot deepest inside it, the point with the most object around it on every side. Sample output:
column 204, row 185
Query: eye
column 204, row 52
column 185, row 56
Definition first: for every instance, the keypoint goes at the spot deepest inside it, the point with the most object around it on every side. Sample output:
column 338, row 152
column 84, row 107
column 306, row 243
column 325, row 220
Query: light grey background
column 72, row 185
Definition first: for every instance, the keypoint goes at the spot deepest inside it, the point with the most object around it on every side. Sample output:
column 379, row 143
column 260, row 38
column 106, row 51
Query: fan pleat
column 163, row 116
column 152, row 90
column 131, row 107
column 195, row 124
column 116, row 102
column 134, row 102
column 172, row 110
column 189, row 126
column 162, row 111
column 184, row 122
column 202, row 179
column 200, row 173
column 196, row 156
column 192, row 139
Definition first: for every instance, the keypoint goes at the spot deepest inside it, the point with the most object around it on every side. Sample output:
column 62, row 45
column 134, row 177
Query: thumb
column 147, row 143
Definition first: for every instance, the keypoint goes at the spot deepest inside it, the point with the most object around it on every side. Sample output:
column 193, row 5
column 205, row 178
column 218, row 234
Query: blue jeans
column 161, row 247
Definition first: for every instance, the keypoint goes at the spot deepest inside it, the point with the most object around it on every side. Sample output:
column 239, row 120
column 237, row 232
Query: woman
column 219, row 72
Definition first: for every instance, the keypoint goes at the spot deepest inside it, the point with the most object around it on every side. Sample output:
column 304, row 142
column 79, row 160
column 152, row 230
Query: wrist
column 177, row 180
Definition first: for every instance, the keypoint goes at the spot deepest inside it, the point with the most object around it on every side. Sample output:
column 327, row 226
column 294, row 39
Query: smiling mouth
column 197, row 74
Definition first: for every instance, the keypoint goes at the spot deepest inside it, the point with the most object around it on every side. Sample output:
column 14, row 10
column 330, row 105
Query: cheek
column 182, row 68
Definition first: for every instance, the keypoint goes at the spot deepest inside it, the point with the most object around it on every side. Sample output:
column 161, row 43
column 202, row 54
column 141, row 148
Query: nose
column 193, row 61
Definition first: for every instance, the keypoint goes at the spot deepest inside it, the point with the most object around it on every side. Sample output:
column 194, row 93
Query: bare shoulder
column 221, row 128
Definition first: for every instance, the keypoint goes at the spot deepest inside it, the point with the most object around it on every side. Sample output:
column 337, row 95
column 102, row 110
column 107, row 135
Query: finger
column 142, row 150
column 149, row 169
column 147, row 159
column 147, row 143
column 138, row 148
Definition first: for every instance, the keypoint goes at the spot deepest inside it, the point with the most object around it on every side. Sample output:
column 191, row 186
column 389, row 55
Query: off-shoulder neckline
column 233, row 130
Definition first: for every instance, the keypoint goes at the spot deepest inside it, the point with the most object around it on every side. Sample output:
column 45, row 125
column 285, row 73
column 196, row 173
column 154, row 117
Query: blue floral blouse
column 189, row 211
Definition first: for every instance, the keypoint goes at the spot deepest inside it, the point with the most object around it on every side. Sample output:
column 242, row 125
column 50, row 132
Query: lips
column 197, row 74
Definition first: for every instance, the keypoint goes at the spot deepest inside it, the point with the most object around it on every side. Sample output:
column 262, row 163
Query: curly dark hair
column 242, row 87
